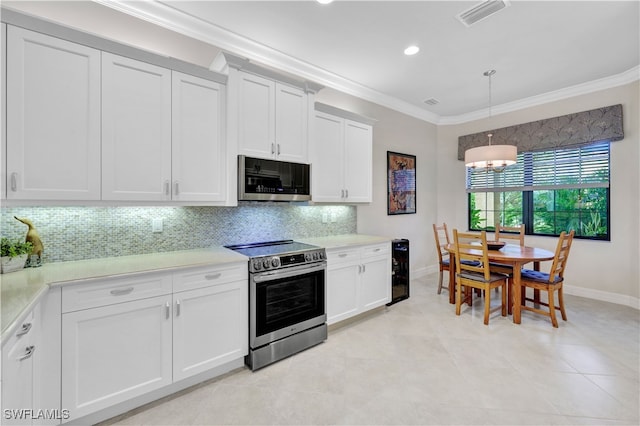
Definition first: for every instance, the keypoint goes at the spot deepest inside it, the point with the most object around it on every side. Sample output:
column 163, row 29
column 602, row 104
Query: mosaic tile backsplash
column 77, row 233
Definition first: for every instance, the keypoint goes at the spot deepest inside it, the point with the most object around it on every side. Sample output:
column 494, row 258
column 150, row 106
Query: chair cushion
column 500, row 265
column 470, row 262
column 478, row 276
column 445, row 262
column 541, row 277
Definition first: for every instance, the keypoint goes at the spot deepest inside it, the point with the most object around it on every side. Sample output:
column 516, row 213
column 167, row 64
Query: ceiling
column 541, row 50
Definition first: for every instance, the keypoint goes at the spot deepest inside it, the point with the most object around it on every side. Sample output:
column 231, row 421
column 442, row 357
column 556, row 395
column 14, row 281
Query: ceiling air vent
column 431, row 101
column 482, row 11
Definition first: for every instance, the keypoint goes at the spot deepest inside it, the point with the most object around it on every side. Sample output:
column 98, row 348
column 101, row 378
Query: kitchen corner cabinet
column 342, row 160
column 358, row 279
column 272, row 119
column 136, row 130
column 53, row 118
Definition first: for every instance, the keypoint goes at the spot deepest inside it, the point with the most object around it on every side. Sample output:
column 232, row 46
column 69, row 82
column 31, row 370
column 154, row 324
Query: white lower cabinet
column 17, row 374
column 210, row 322
column 114, row 353
column 358, row 279
column 125, row 337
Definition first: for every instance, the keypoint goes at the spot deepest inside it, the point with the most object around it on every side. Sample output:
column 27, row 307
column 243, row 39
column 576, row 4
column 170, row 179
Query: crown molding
column 621, row 79
column 165, row 16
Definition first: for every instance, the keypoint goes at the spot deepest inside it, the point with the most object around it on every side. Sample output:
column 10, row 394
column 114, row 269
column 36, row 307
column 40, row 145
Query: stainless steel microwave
column 271, row 180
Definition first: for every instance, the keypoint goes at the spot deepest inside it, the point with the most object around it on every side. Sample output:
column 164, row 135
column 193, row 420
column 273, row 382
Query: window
column 549, row 191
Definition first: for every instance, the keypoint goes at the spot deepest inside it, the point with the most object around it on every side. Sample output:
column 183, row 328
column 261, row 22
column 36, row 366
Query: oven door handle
column 274, row 275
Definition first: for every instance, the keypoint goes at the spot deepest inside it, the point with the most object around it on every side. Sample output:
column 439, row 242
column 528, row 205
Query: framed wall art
column 401, row 183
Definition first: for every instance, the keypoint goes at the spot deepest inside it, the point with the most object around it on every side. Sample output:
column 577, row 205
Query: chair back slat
column 471, row 247
column 510, row 233
column 441, row 235
column 562, row 255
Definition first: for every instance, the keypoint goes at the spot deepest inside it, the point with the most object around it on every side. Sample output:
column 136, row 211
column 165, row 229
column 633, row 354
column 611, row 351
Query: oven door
column 285, row 302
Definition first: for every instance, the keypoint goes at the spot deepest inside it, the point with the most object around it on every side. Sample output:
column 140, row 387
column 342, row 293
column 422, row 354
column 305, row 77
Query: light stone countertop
column 20, row 291
column 345, row 240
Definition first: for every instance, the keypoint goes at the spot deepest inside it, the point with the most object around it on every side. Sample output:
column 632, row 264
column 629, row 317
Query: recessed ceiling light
column 324, row 1
column 411, row 50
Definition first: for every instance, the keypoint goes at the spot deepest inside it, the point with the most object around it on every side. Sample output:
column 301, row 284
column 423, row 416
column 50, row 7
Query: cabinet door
column 209, row 328
column 256, row 120
column 53, row 118
column 3, row 115
column 327, row 159
column 358, row 161
column 291, row 124
column 136, row 130
column 375, row 282
column 198, row 163
column 342, row 292
column 114, row 353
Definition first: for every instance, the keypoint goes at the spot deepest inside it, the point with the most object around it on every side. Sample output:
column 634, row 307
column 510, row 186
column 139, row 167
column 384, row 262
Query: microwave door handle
column 274, row 275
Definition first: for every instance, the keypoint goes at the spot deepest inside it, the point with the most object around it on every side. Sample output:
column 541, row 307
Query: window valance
column 566, row 131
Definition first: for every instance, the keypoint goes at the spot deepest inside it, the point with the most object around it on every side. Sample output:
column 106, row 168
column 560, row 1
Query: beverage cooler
column 399, row 270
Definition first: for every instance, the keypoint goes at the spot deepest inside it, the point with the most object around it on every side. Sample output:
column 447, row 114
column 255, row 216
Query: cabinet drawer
column 339, row 256
column 208, row 276
column 376, row 250
column 115, row 290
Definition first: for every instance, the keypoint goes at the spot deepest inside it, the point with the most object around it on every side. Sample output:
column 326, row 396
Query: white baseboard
column 604, row 296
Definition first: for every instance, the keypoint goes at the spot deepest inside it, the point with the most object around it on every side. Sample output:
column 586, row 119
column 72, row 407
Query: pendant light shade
column 494, row 157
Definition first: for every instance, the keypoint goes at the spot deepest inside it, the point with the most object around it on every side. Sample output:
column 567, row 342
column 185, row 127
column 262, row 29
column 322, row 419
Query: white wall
column 602, row 270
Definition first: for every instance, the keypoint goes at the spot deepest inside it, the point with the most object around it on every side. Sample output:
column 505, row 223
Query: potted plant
column 13, row 254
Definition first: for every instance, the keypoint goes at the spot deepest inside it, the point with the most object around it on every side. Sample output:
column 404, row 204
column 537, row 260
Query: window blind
column 564, row 168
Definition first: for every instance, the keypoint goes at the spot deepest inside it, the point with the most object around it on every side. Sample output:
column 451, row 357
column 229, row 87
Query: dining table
column 510, row 254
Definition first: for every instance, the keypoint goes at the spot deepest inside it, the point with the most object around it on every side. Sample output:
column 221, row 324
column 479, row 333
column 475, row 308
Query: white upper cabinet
column 198, row 152
column 272, row 120
column 342, row 156
column 53, row 118
column 291, row 124
column 136, row 130
column 3, row 115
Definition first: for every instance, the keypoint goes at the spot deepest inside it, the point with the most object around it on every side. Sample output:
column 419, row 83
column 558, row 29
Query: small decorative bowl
column 495, row 245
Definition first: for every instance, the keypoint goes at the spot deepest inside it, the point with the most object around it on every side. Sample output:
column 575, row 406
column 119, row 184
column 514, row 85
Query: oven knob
column 257, row 265
column 307, row 257
column 266, row 263
column 275, row 262
column 321, row 255
column 315, row 256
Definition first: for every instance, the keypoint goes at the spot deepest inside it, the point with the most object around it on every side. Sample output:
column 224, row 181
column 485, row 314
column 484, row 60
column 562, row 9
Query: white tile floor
column 417, row 363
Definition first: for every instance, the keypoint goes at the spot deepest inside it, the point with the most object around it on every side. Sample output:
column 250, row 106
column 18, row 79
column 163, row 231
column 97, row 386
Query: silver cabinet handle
column 28, row 352
column 121, row 291
column 167, row 188
column 14, row 182
column 364, row 268
column 342, row 193
column 342, row 255
column 278, row 149
column 359, row 269
column 167, row 310
column 177, row 188
column 273, row 148
column 24, row 330
column 178, row 307
column 378, row 249
column 212, row 276
column 346, row 193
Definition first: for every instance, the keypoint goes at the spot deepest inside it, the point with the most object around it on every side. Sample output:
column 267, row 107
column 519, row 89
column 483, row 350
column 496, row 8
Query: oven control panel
column 266, row 263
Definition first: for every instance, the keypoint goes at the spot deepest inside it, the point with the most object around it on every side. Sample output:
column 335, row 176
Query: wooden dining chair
column 441, row 236
column 549, row 282
column 473, row 271
column 510, row 233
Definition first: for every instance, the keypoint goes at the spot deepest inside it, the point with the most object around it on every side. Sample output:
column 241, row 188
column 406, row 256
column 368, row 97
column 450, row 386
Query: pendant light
column 491, row 157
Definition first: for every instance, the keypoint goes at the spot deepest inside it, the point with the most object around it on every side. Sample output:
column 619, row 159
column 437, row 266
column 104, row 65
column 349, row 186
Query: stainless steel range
column 287, row 293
